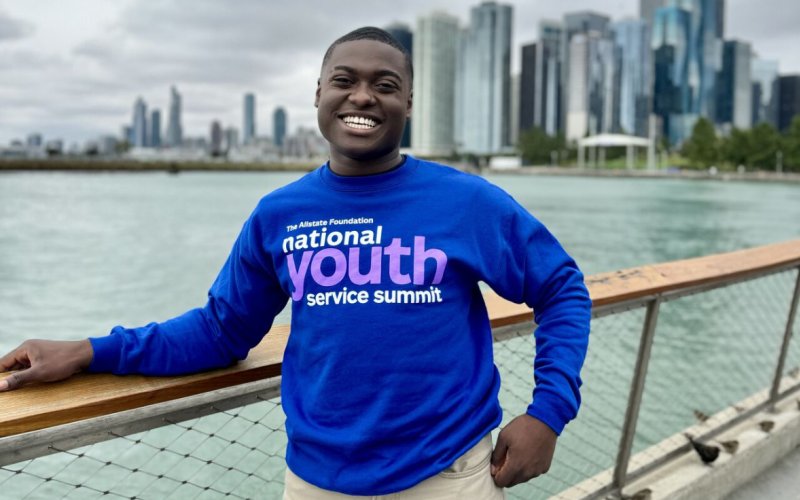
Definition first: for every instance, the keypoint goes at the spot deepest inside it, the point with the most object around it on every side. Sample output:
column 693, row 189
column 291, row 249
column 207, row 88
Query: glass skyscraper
column 765, row 91
column 672, row 91
column 540, row 81
column 139, row 131
column 735, row 93
column 402, row 33
column 633, row 85
column 174, row 128
column 484, row 76
column 279, row 126
column 249, row 125
column 154, row 139
column 574, row 24
column 435, row 50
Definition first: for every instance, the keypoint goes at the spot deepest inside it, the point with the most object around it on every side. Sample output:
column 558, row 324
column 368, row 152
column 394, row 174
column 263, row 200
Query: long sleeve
column 242, row 303
column 529, row 265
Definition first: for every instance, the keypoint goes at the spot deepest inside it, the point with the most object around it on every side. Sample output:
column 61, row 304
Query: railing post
column 635, row 396
column 787, row 337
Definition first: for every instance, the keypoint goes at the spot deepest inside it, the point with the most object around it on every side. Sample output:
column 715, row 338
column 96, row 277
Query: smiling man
column 388, row 381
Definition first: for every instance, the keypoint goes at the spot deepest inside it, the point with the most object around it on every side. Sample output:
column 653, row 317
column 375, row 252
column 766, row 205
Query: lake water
column 82, row 252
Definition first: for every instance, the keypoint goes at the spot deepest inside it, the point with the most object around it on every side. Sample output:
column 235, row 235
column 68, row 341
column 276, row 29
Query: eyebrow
column 380, row 72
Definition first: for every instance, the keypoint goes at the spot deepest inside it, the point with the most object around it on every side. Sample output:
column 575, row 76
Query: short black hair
column 376, row 34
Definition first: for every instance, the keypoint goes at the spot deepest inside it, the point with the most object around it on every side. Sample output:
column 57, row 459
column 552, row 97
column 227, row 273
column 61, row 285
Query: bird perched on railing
column 707, row 452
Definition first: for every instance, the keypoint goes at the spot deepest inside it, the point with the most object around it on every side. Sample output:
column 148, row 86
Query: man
column 388, row 381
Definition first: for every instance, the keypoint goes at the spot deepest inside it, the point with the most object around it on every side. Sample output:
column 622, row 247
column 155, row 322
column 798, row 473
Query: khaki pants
column 467, row 479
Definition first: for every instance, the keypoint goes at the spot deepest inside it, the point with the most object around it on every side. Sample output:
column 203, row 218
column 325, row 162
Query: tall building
column 672, row 92
column 279, row 126
column 483, row 110
column 789, row 99
column 34, row 140
column 540, row 81
column 139, row 123
column 634, row 87
column 590, row 87
column 249, row 125
column 576, row 23
column 174, row 127
column 735, row 92
column 154, row 134
column 230, row 138
column 513, row 111
column 647, row 9
column 701, row 46
column 435, row 50
column 402, row 33
column 765, row 91
column 215, row 144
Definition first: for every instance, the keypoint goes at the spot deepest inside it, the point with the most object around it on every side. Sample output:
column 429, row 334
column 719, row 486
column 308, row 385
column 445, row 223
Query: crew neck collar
column 372, row 182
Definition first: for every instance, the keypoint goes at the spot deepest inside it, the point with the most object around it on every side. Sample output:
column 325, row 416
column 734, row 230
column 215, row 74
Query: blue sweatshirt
column 388, row 373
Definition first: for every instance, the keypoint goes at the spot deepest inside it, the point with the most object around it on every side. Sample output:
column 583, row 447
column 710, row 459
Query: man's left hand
column 523, row 451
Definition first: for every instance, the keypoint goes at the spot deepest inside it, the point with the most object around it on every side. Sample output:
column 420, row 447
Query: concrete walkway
column 780, row 482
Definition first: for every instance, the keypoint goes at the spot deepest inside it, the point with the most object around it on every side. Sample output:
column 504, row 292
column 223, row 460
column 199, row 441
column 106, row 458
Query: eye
column 387, row 86
column 341, row 80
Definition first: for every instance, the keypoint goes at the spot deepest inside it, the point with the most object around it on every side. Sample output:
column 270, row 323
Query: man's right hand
column 44, row 361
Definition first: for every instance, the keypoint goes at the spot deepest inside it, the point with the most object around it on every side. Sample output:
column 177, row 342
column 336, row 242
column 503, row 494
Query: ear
column 409, row 104
column 316, row 95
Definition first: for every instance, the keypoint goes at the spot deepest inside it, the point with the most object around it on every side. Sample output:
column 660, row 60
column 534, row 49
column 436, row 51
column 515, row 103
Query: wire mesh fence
column 710, row 351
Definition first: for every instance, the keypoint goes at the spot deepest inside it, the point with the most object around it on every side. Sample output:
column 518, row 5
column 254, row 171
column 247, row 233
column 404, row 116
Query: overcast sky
column 72, row 69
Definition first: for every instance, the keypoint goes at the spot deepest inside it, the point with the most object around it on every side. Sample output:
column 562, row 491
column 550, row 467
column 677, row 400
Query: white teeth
column 359, row 122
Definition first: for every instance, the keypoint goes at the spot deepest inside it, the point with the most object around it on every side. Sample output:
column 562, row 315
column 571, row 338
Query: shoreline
column 124, row 165
column 755, row 176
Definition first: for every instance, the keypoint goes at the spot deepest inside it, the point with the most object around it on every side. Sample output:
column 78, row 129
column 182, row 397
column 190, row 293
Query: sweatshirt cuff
column 551, row 411
column 107, row 351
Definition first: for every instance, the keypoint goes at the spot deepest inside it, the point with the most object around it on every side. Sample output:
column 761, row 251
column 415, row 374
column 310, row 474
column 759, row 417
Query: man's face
column 363, row 100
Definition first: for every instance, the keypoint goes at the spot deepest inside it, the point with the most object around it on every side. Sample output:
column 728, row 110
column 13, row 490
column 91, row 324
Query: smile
column 359, row 122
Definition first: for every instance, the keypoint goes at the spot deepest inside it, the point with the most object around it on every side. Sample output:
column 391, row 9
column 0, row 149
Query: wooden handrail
column 91, row 395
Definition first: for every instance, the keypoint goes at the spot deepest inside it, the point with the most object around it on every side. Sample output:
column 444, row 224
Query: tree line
column 760, row 148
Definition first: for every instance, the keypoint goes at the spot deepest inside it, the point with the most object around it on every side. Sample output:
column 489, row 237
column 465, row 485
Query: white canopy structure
column 603, row 141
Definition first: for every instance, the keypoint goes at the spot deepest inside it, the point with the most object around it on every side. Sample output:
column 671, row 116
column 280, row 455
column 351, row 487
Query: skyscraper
column 765, row 91
column 249, row 125
column 672, row 93
column 434, row 91
column 540, row 81
column 633, row 92
column 174, row 127
column 574, row 24
column 230, row 138
column 483, row 110
column 279, row 126
column 647, row 9
column 154, row 134
column 139, row 123
column 590, row 91
column 402, row 33
column 735, row 93
column 789, row 98
column 215, row 144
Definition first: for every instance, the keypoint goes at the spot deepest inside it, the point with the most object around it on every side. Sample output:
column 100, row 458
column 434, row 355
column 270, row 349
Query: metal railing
column 673, row 346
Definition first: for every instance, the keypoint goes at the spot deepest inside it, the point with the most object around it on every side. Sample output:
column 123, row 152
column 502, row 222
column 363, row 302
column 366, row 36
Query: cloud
column 13, row 29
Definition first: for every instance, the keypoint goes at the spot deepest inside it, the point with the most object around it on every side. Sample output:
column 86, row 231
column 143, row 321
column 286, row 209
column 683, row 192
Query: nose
column 362, row 96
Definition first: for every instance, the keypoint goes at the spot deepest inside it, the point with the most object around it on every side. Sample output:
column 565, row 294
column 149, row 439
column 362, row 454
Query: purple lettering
column 298, row 276
column 354, row 270
column 395, row 251
column 338, row 273
column 420, row 255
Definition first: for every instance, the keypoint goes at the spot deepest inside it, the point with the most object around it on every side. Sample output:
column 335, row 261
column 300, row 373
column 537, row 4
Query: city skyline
column 80, row 85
